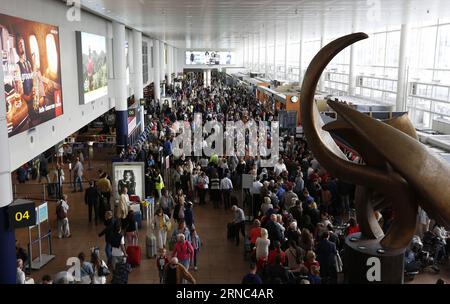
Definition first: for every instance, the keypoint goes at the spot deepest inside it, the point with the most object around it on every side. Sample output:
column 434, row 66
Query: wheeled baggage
column 230, row 231
column 150, row 244
column 138, row 218
column 120, row 273
column 135, row 198
column 134, row 255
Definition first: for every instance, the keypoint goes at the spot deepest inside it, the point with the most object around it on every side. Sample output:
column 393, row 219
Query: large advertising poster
column 210, row 58
column 92, row 67
column 129, row 175
column 32, row 73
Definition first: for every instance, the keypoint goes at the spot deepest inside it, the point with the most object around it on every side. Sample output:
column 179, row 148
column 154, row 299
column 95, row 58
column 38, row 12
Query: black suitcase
column 230, row 231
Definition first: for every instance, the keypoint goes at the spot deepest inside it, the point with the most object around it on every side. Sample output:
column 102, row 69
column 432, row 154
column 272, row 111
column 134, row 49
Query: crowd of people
column 300, row 213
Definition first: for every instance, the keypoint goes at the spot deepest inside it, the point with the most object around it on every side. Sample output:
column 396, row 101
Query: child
column 161, row 261
column 314, row 276
column 196, row 243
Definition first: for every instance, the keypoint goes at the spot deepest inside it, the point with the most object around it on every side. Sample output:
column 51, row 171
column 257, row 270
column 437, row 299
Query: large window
column 429, row 74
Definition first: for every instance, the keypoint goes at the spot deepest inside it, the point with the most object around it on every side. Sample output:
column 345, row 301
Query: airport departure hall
column 225, row 142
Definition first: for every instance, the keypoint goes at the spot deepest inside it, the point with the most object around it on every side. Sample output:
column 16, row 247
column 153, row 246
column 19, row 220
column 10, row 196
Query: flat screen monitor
column 209, row 58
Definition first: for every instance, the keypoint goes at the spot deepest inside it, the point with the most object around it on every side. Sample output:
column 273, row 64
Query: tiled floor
column 220, row 261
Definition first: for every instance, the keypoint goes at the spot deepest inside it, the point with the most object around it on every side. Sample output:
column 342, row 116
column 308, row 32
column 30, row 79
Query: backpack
column 60, row 212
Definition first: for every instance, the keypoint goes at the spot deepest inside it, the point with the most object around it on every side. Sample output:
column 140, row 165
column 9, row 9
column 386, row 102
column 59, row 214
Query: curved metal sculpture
column 398, row 169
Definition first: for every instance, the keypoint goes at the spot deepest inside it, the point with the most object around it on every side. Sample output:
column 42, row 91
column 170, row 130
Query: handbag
column 339, row 264
column 103, row 271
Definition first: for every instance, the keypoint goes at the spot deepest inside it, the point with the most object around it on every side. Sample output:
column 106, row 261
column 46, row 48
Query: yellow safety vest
column 160, row 185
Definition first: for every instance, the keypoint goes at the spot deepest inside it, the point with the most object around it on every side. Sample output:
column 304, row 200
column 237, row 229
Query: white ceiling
column 223, row 24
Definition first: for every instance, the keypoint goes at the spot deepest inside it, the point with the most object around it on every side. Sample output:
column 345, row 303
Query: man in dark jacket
column 326, row 256
column 276, row 273
column 91, row 198
column 107, row 232
column 275, row 233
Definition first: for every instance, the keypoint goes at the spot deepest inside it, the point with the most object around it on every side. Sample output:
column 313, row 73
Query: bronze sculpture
column 397, row 168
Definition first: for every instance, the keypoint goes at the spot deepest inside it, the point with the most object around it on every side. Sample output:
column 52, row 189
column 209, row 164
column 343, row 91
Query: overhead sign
column 22, row 213
column 43, row 212
column 131, row 112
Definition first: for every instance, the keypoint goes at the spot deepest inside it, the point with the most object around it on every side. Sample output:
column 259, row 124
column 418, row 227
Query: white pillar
column 300, row 55
column 286, row 52
column 169, row 64
column 204, row 78
column 402, row 66
column 352, row 65
column 6, row 195
column 156, row 69
column 120, row 85
column 138, row 80
column 275, row 51
column 208, row 77
column 266, row 56
column 162, row 60
column 120, row 67
column 259, row 52
column 137, row 65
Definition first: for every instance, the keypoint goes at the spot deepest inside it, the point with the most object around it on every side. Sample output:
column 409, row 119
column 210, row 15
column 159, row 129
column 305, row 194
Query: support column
column 300, row 55
column 7, row 235
column 208, row 77
column 286, row 52
column 162, row 60
column 402, row 66
column 169, row 65
column 259, row 52
column 120, row 85
column 275, row 51
column 352, row 65
column 157, row 72
column 266, row 56
column 138, row 74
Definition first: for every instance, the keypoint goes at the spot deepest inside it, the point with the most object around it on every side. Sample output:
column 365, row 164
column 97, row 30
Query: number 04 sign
column 22, row 214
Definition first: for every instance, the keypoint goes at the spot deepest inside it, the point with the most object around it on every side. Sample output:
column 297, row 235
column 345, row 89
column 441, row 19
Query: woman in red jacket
column 183, row 251
column 353, row 228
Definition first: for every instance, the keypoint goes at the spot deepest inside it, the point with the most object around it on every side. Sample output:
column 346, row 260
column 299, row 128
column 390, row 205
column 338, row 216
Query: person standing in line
column 196, row 244
column 62, row 219
column 91, row 199
column 20, row 274
column 226, row 186
column 238, row 222
column 159, row 184
column 252, row 277
column 60, row 182
column 78, row 175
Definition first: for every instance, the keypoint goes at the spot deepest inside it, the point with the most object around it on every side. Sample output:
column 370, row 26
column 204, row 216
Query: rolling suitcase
column 150, row 244
column 134, row 255
column 120, row 273
column 138, row 218
column 135, row 198
column 230, row 231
